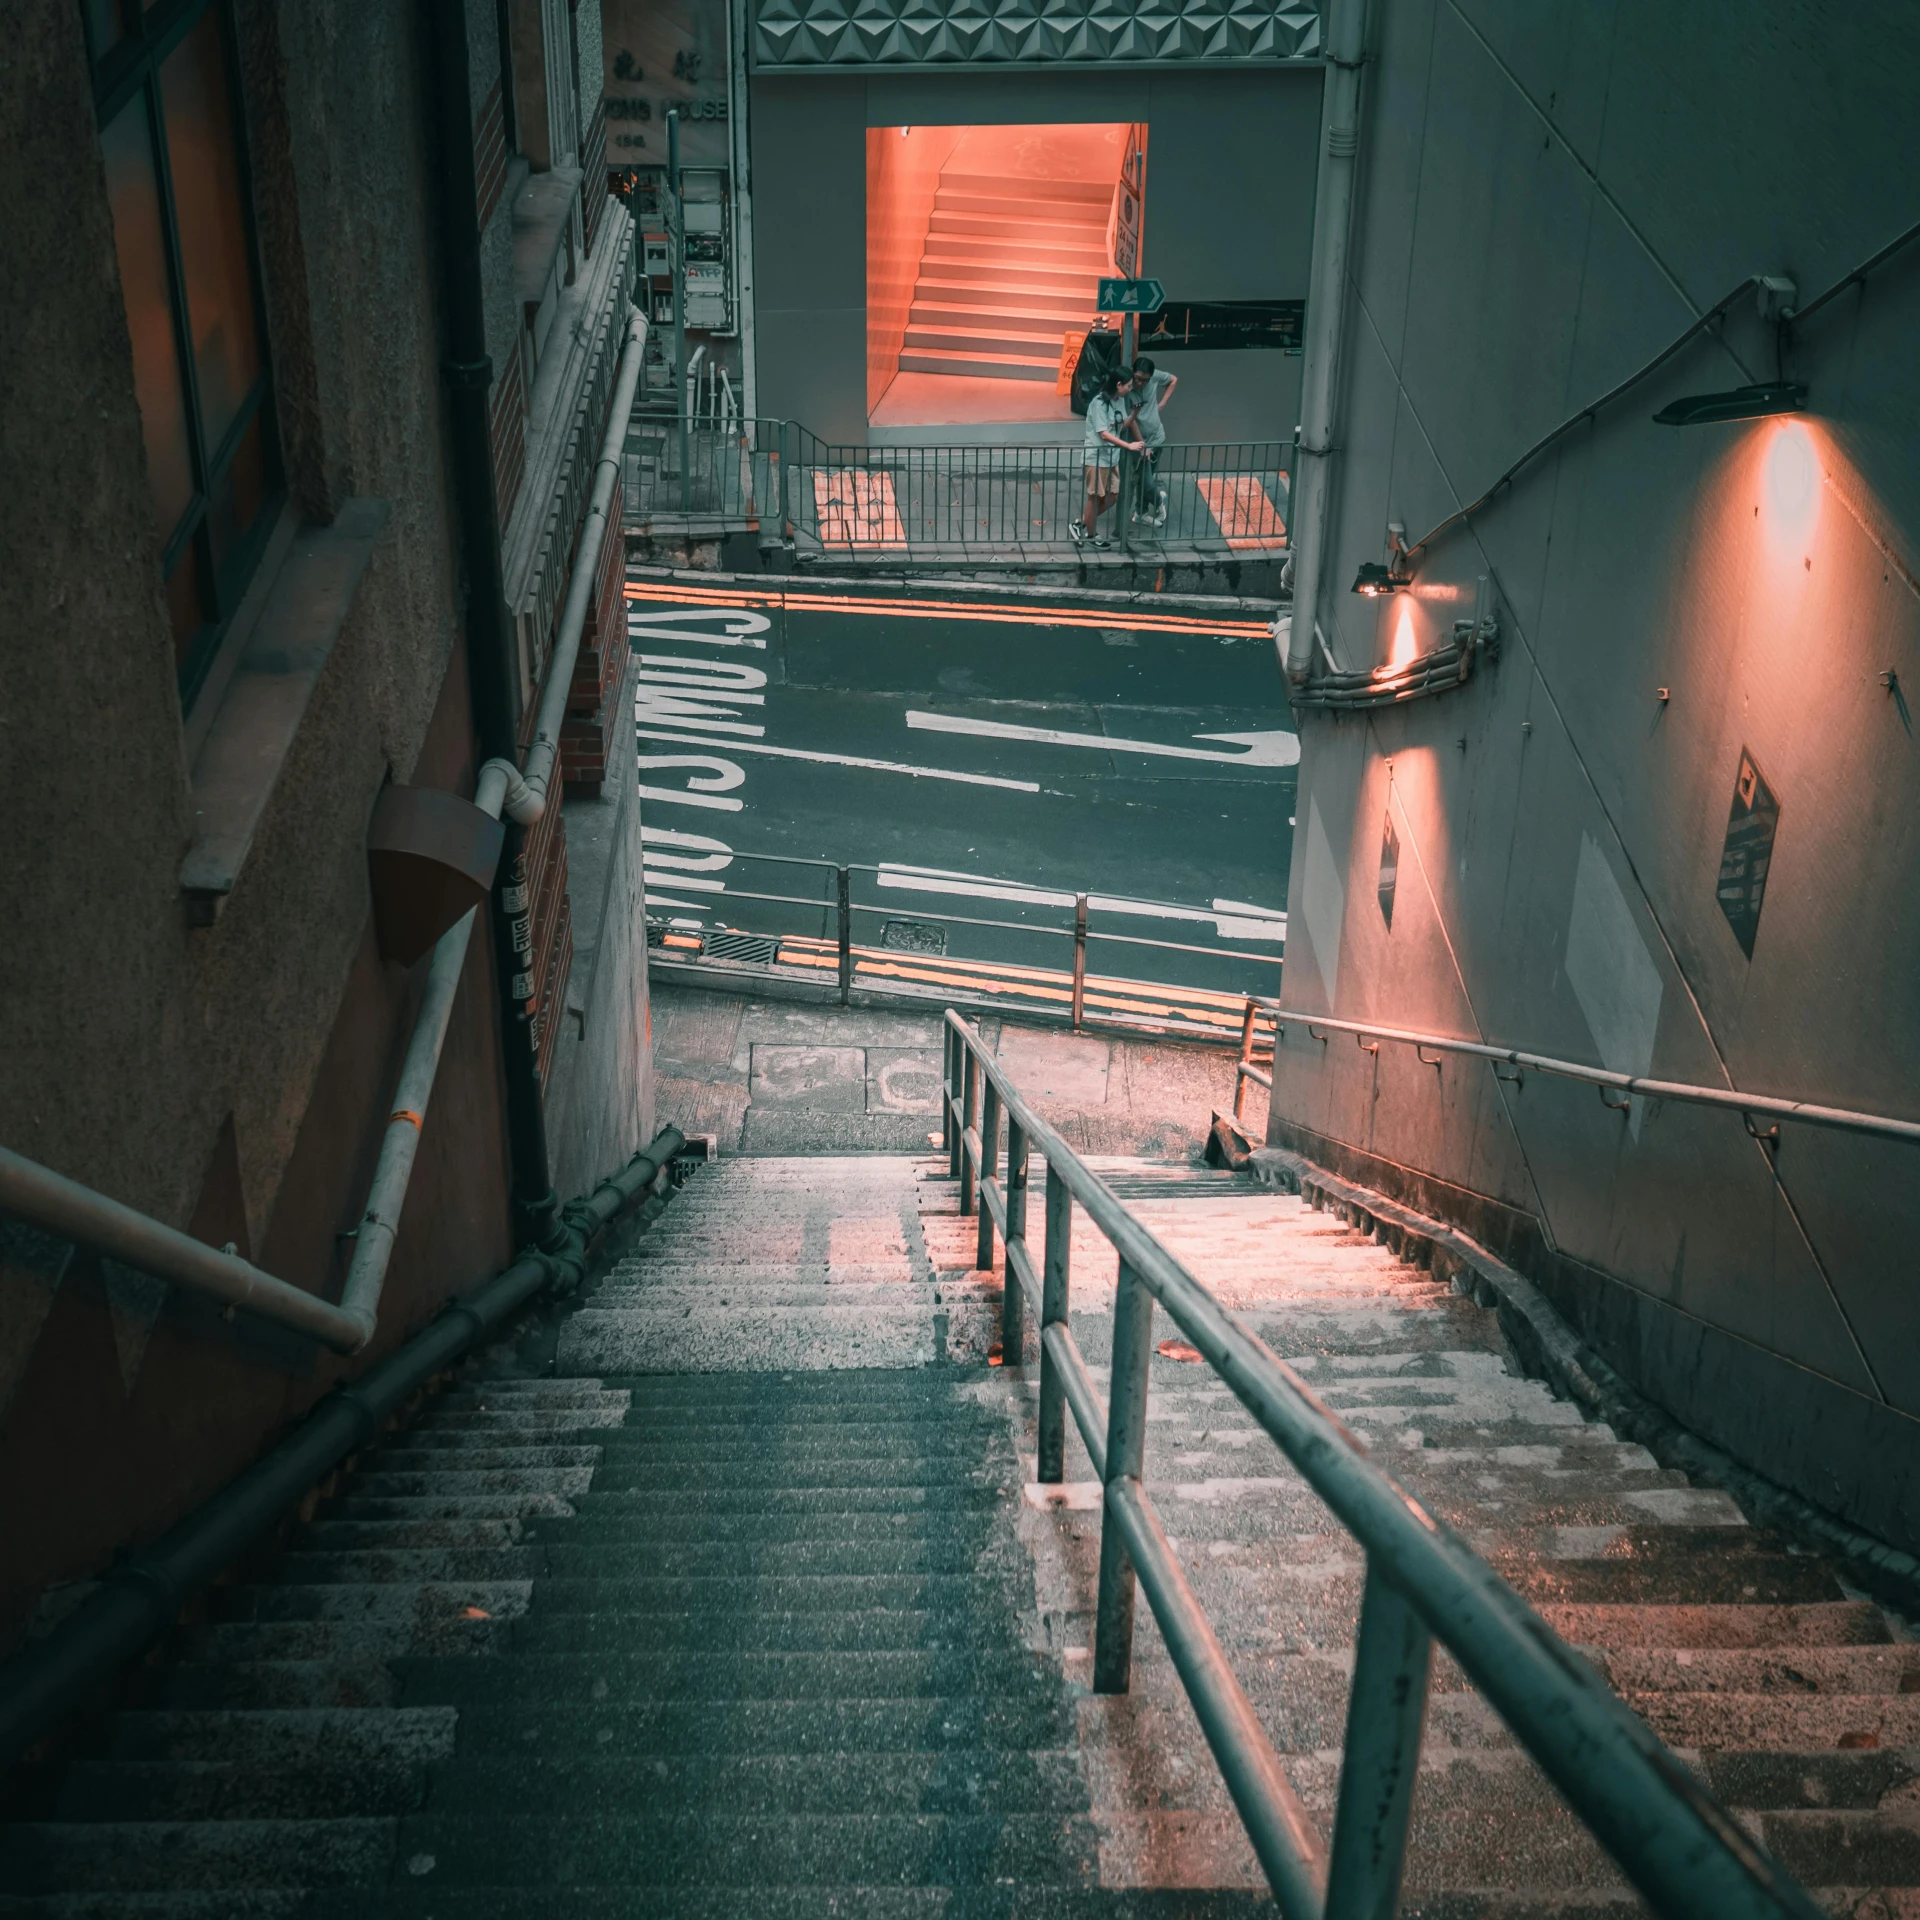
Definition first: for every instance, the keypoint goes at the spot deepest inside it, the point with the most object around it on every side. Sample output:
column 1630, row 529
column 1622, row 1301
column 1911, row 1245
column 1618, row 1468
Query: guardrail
column 1728, row 1099
column 869, row 929
column 1685, row 1853
column 1220, row 497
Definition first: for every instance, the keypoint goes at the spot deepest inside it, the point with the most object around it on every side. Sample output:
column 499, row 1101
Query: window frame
column 133, row 65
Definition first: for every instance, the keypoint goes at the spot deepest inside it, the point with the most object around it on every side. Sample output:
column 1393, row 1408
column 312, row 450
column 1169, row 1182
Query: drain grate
column 743, row 949
column 913, row 936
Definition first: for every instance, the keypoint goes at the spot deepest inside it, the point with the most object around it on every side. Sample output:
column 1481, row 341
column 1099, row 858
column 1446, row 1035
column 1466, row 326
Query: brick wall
column 597, row 699
column 509, row 430
column 593, row 171
column 489, row 155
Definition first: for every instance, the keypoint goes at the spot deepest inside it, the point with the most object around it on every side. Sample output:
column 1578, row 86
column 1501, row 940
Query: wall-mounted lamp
column 1739, row 403
column 1373, row 580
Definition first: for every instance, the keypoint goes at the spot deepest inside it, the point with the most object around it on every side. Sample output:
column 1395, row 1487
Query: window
column 165, row 88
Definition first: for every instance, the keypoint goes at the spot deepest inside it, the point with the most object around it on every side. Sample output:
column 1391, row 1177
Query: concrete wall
column 1548, row 196
column 903, row 177
column 231, row 1079
column 1230, row 158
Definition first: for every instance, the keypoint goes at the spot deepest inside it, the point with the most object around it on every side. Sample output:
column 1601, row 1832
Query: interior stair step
column 991, row 366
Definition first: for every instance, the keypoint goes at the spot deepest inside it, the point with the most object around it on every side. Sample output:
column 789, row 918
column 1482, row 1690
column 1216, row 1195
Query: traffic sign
column 1132, row 296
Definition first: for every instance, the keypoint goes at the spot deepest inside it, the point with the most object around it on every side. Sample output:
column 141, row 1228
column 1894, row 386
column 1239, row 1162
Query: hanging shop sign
column 1189, row 324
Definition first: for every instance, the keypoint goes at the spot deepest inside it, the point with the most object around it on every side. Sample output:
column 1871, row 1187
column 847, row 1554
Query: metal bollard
column 1013, row 1308
column 989, row 1164
column 1079, row 960
column 1053, row 1312
column 846, row 937
column 1126, row 1453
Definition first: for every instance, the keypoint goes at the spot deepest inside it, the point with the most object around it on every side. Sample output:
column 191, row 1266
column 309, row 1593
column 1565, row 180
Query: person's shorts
column 1102, row 480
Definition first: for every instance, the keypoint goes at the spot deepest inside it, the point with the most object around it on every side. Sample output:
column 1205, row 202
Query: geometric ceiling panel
column 888, row 33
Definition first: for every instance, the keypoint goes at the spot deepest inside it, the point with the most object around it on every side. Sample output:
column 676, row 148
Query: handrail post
column 969, row 1109
column 1053, row 1312
column 949, row 1093
column 1246, row 1060
column 1079, row 960
column 1013, row 1308
column 989, row 1165
column 1386, row 1713
column 845, row 890
column 1126, row 1455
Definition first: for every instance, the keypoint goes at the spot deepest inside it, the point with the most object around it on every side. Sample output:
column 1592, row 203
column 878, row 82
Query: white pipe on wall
column 1326, row 320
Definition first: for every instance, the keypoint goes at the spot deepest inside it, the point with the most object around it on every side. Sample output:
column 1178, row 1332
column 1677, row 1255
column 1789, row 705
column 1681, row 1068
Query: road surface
column 981, row 757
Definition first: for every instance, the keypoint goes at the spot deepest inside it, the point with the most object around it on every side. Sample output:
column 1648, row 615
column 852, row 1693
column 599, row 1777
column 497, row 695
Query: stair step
column 992, row 366
column 810, row 1850
column 1015, row 184
column 134, row 1855
column 977, row 340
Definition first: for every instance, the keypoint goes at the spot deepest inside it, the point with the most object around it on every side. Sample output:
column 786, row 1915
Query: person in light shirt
column 1108, row 435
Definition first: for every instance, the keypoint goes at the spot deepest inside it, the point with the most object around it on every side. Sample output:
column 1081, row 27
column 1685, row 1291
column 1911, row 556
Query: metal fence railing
column 895, row 933
column 1685, row 1853
column 1225, row 497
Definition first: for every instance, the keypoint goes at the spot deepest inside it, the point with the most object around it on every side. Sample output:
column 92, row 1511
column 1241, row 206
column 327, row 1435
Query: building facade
column 257, row 590
column 1670, row 829
column 909, row 211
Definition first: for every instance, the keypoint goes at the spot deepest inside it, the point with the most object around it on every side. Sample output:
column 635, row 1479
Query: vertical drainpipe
column 469, row 376
column 1326, row 319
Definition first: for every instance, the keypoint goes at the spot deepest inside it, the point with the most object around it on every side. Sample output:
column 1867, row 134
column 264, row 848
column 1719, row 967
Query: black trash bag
column 1099, row 356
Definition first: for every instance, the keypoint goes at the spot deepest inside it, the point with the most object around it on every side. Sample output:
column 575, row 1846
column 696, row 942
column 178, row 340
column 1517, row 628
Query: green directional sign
column 1132, row 296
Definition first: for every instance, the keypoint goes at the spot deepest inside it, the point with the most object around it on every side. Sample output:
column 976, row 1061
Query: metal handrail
column 1683, row 1851
column 59, row 1205
column 1727, row 1099
column 1076, row 985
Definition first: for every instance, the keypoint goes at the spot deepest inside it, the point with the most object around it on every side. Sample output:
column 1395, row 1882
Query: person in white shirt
column 1108, row 436
column 1149, row 391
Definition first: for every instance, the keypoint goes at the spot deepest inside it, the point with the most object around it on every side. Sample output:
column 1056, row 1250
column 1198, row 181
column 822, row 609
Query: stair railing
column 1765, row 1106
column 1684, row 1852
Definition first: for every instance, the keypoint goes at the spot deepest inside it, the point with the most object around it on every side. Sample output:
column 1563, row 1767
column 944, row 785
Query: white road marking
column 1277, row 748
column 710, row 784
column 836, row 759
column 683, row 853
column 739, row 628
column 718, row 677
column 1233, row 919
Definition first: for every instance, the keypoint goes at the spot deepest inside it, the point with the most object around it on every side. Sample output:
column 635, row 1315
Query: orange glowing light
column 1792, row 480
column 1406, row 643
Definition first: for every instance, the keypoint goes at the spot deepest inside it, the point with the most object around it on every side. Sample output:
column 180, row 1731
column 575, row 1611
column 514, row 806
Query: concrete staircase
column 744, row 1602
column 1011, row 265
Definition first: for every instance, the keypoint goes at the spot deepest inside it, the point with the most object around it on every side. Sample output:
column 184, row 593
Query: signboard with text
column 1194, row 324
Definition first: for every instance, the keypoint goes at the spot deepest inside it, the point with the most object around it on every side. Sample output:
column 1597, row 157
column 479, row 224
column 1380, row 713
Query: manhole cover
column 743, row 949
column 914, row 936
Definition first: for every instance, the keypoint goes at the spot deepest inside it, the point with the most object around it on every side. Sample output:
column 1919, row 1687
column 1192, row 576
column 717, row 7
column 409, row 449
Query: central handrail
column 1684, row 1852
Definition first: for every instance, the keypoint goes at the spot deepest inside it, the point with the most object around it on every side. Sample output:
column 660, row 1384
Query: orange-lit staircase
column 1010, row 266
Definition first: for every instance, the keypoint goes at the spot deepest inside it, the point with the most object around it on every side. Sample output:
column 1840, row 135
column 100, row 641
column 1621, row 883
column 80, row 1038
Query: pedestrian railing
column 1617, row 1090
column 887, row 933
column 852, row 502
column 1685, row 1853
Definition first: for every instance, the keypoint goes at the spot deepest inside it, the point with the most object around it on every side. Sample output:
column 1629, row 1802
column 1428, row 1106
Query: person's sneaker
column 1076, row 533
column 1160, row 517
column 1101, row 540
